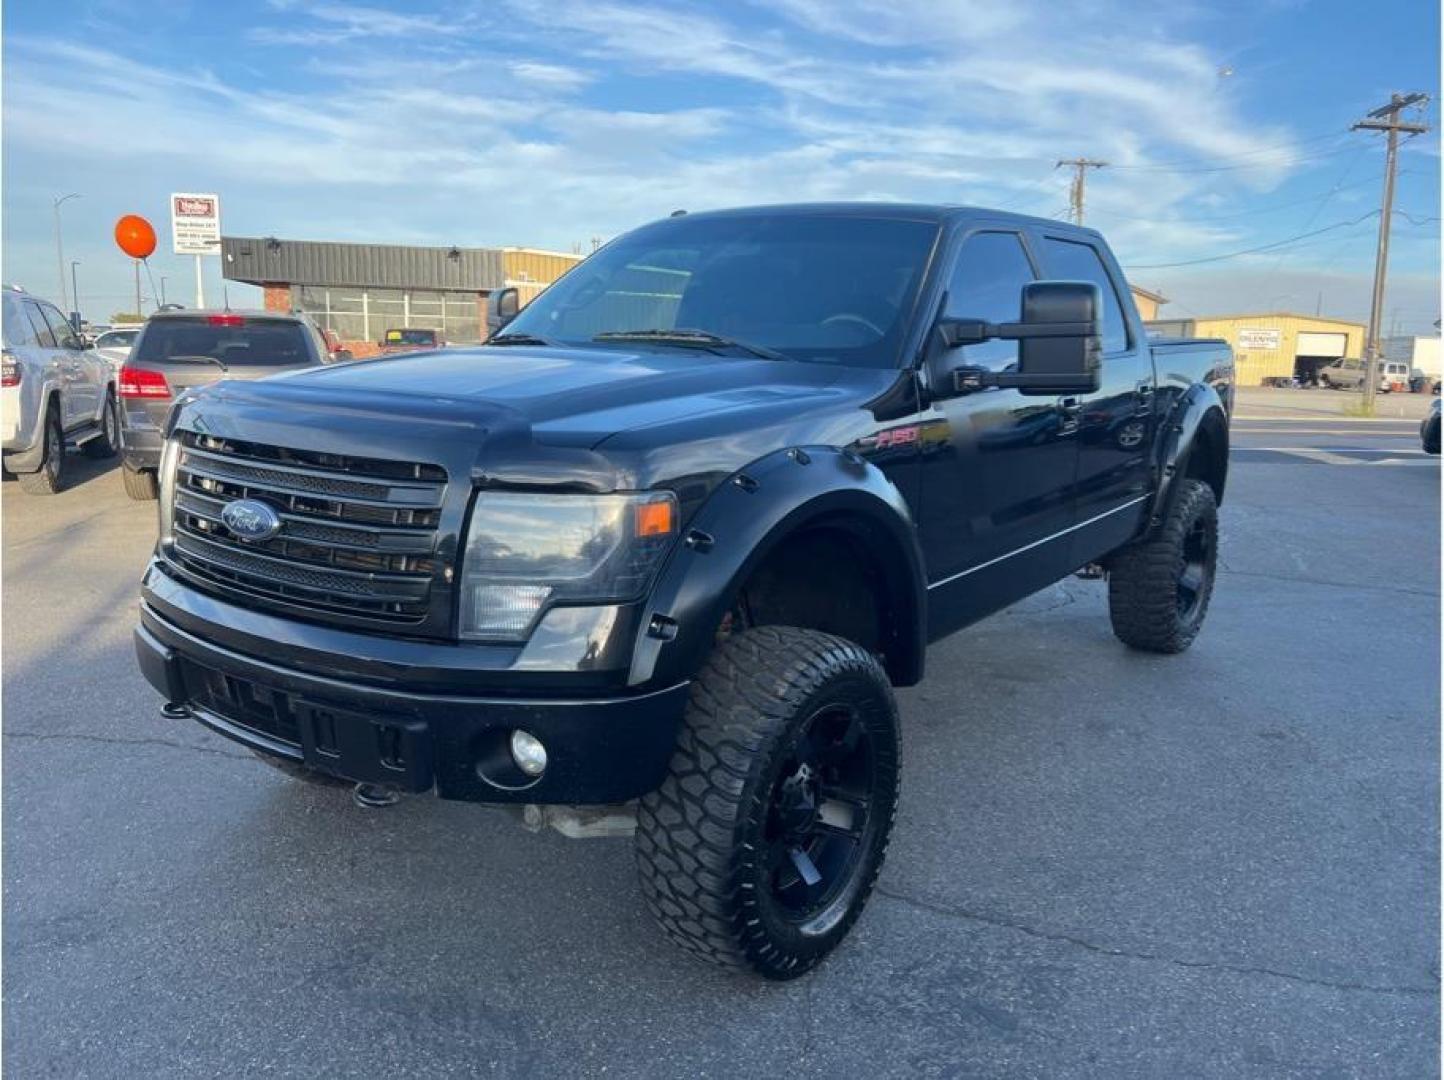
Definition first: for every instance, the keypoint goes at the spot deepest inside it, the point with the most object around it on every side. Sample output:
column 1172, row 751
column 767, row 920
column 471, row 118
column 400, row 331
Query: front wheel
column 1158, row 591
column 762, row 845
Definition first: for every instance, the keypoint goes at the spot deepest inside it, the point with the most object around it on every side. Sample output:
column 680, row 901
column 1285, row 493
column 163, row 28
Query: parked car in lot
column 654, row 558
column 410, row 339
column 1429, row 429
column 115, row 345
column 54, row 394
column 1350, row 372
column 184, row 350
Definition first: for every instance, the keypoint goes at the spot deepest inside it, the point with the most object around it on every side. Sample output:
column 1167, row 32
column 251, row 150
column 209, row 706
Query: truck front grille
column 358, row 535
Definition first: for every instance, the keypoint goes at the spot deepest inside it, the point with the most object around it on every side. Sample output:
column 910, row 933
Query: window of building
column 355, row 314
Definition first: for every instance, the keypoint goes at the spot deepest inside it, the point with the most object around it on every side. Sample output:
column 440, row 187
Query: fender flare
column 1197, row 410
column 744, row 519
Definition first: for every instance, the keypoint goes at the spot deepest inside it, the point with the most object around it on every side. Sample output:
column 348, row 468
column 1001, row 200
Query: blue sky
column 547, row 124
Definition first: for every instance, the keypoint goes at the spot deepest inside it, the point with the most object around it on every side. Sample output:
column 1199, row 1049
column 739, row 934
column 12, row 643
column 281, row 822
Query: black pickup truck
column 658, row 552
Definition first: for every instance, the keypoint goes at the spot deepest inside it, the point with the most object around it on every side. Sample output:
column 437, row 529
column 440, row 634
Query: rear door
column 995, row 491
column 51, row 362
column 84, row 377
column 1115, row 423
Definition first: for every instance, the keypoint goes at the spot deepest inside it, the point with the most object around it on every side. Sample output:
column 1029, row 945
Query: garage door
column 1322, row 344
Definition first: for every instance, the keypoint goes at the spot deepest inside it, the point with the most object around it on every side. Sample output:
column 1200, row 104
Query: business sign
column 195, row 223
column 1263, row 340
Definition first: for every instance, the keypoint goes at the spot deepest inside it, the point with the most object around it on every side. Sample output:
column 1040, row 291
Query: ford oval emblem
column 249, row 519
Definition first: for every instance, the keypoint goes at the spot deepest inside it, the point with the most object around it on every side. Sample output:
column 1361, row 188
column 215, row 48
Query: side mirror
column 1060, row 341
column 501, row 308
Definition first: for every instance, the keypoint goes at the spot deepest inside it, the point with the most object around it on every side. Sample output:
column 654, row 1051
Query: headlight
column 525, row 552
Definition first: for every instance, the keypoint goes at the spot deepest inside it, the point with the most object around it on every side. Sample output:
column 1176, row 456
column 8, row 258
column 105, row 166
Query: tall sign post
column 195, row 225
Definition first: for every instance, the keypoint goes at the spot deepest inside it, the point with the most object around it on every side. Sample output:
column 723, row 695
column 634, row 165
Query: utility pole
column 1080, row 166
column 1385, row 118
column 59, row 252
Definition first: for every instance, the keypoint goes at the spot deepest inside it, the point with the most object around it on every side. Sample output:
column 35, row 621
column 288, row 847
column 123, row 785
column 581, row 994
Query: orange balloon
column 135, row 236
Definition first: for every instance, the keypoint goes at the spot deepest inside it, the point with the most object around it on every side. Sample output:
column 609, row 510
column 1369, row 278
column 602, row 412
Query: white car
column 55, row 393
column 115, row 344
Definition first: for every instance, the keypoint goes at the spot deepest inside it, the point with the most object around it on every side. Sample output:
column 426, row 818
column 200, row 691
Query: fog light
column 528, row 752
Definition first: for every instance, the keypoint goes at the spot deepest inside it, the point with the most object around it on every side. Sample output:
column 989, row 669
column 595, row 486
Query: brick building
column 359, row 291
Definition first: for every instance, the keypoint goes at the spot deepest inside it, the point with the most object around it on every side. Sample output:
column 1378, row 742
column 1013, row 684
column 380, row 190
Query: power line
column 1255, row 250
column 1234, row 157
column 1240, row 214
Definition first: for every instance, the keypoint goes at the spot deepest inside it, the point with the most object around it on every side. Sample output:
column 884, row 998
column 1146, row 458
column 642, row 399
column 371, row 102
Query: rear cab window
column 1075, row 260
column 234, row 340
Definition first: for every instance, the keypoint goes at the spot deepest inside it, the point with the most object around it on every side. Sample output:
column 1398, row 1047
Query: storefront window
column 354, row 314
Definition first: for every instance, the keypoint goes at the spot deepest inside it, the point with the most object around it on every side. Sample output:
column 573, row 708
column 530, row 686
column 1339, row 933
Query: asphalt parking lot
column 1106, row 864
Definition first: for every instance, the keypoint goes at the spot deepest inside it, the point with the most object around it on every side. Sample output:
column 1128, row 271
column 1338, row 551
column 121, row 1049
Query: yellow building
column 531, row 270
column 1147, row 302
column 1275, row 345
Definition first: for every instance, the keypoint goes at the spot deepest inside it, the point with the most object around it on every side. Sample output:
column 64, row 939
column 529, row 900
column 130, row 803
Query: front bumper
column 602, row 747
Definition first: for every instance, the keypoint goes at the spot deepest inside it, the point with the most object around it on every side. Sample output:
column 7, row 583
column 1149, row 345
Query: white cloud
column 549, row 76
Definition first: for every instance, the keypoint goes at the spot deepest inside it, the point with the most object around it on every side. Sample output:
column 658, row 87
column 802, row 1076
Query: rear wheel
column 1158, row 591
column 50, row 477
column 762, row 845
column 140, row 484
column 107, row 442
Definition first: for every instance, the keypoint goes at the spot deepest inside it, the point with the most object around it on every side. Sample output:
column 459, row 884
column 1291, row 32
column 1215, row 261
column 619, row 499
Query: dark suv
column 181, row 351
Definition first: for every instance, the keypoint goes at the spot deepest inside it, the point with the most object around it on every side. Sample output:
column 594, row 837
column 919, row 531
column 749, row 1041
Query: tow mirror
column 1060, row 341
column 501, row 308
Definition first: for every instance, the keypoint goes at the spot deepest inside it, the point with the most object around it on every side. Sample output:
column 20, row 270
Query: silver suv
column 54, row 394
column 1348, row 374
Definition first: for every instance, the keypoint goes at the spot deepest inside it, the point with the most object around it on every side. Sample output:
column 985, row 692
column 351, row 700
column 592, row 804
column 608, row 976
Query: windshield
column 411, row 337
column 230, row 339
column 823, row 288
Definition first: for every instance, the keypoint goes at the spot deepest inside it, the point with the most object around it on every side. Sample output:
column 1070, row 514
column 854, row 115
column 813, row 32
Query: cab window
column 987, row 283
column 1069, row 260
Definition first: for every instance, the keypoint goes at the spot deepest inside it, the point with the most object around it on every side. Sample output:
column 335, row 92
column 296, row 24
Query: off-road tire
column 296, row 771
column 107, row 443
column 140, row 484
column 1144, row 591
column 49, row 479
column 700, row 836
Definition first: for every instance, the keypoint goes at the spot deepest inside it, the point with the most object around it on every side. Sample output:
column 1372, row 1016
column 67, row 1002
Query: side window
column 987, row 283
column 18, row 331
column 64, row 334
column 43, row 336
column 1072, row 261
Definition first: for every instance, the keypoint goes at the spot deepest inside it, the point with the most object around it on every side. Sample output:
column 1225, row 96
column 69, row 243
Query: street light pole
column 162, row 290
column 74, row 288
column 59, row 252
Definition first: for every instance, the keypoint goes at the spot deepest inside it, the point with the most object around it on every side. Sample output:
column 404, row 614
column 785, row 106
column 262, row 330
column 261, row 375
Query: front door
column 1116, row 422
column 997, row 466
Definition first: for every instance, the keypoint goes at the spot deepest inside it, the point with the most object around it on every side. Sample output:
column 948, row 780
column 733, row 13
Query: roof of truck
column 938, row 212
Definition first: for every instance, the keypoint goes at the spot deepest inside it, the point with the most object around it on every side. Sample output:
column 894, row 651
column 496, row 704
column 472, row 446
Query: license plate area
column 364, row 747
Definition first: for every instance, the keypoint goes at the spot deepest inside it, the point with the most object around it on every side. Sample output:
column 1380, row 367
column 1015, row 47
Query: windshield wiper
column 521, row 339
column 196, row 360
column 698, row 339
